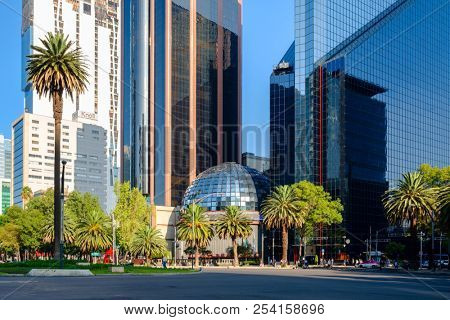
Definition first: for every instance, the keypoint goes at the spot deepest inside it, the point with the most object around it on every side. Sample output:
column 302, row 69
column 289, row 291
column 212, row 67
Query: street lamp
column 115, row 225
column 421, row 252
column 61, row 239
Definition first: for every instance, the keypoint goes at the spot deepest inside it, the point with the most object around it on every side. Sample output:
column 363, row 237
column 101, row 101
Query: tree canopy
column 131, row 212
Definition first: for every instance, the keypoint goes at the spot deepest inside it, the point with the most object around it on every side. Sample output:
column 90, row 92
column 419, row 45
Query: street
column 234, row 284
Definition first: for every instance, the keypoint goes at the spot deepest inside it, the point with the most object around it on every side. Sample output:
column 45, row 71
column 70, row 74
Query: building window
column 87, row 8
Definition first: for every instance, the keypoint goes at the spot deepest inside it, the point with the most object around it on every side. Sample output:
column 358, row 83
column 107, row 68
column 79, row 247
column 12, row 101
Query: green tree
column 195, row 228
column 435, row 176
column 233, row 224
column 43, row 203
column 149, row 242
column 54, row 69
column 282, row 210
column 413, row 202
column 30, row 224
column 9, row 239
column 439, row 178
column 77, row 204
column 27, row 195
column 131, row 212
column 394, row 250
column 318, row 208
column 93, row 232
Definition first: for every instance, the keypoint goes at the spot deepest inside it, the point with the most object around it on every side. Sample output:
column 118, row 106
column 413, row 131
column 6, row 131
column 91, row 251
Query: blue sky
column 268, row 32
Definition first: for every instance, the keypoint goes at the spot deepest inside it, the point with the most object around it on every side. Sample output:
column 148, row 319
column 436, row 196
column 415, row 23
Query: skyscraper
column 5, row 173
column 94, row 25
column 181, row 93
column 83, row 147
column 282, row 120
column 372, row 98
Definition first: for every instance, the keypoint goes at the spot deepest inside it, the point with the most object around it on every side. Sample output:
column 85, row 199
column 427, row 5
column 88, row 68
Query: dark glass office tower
column 282, row 120
column 373, row 98
column 182, row 92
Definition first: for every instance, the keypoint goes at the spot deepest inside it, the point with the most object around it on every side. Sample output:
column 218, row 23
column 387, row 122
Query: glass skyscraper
column 372, row 81
column 181, row 91
column 282, row 120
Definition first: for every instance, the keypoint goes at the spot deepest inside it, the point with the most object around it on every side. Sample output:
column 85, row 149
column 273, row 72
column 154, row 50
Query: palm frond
column 57, row 67
column 282, row 208
column 233, row 223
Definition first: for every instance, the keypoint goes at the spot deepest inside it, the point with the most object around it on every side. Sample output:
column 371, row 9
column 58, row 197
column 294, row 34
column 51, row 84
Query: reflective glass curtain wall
column 282, row 120
column 185, row 111
column 373, row 100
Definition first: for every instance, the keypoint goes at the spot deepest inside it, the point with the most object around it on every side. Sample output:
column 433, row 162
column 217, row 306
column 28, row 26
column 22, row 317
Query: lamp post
column 421, row 253
column 61, row 239
column 115, row 225
column 440, row 251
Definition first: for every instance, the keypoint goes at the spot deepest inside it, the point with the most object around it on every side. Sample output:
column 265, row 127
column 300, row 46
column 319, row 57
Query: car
column 369, row 264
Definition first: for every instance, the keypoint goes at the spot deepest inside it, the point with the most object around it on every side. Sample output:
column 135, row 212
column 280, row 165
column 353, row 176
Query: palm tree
column 93, row 232
column 55, row 69
column 282, row 210
column 195, row 228
column 412, row 202
column 68, row 232
column 148, row 242
column 27, row 195
column 233, row 224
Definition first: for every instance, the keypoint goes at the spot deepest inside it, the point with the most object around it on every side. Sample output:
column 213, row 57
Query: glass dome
column 228, row 184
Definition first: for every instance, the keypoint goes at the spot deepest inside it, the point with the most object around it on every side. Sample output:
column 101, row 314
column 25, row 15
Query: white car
column 369, row 264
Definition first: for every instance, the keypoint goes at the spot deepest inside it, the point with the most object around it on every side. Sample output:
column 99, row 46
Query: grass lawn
column 96, row 269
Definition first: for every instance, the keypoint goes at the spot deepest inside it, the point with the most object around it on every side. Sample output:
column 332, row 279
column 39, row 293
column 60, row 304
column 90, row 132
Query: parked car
column 369, row 264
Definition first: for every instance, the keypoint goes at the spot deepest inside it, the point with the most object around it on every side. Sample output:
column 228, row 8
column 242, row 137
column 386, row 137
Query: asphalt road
column 234, row 284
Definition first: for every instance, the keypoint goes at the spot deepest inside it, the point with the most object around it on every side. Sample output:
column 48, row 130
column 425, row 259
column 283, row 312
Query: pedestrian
column 164, row 262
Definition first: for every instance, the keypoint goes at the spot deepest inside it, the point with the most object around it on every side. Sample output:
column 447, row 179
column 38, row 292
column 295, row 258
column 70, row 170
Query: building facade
column 94, row 26
column 372, row 99
column 262, row 164
column 5, row 173
column 83, row 146
column 181, row 93
column 282, row 120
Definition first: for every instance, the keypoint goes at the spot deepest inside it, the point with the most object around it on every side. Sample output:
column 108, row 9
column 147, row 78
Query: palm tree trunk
column 300, row 249
column 197, row 264
column 284, row 234
column 413, row 247
column 57, row 115
column 235, row 253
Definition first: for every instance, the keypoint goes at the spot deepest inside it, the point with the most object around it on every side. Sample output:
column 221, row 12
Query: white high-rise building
column 83, row 147
column 5, row 173
column 94, row 25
